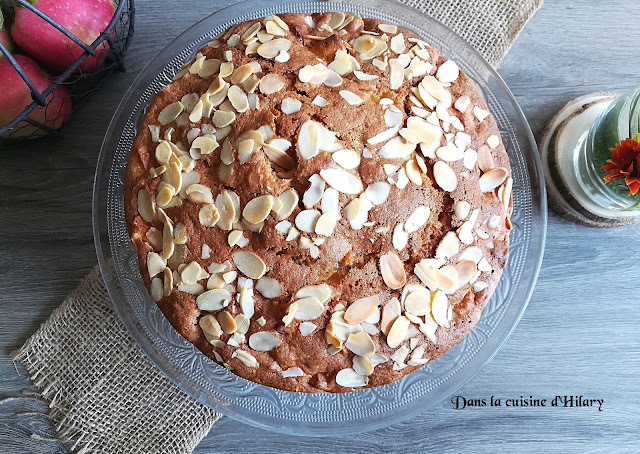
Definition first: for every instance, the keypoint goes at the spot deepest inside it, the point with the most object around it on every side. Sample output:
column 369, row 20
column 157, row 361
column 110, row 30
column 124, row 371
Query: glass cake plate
column 321, row 414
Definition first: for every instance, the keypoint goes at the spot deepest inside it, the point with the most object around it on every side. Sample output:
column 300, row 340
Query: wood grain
column 578, row 336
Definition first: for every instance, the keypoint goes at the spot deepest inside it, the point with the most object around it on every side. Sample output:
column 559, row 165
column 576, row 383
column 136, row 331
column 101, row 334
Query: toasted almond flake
column 462, row 209
column 418, row 130
column 449, row 246
column 209, row 324
column 466, row 269
column 309, row 139
column 397, row 44
column 170, row 113
column 190, row 274
column 146, row 208
column 155, row 264
column 226, row 69
column 292, row 372
column 400, row 237
column 314, row 194
column 308, row 308
column 238, row 98
column 333, row 79
column 480, row 113
column 321, row 292
column 263, row 341
column 319, row 101
column 268, row 287
column 427, row 275
column 347, row 159
column 361, row 344
column 492, row 179
column 206, row 144
column 378, row 192
column 325, row 224
column 196, row 113
column 271, row 83
column 364, row 76
column 392, row 270
column 439, row 307
column 397, row 148
column 342, row 181
column 213, row 300
column 413, row 172
column 234, row 237
column 465, row 233
column 246, row 358
column 448, row 72
column 506, row 193
column 165, row 194
column 222, row 118
column 397, row 331
column 278, row 157
column 417, row 219
column 198, row 193
column 289, row 200
column 470, row 158
column 390, row 313
column 307, row 328
column 445, row 177
column 349, row 378
column 396, row 73
column 485, row 159
column 156, row 289
column 361, row 309
column 447, row 278
column 249, row 264
column 168, row 245
column 362, row 365
column 315, row 74
column 383, row 136
column 257, row 209
column 386, row 28
column 351, row 97
column 163, row 152
column 251, row 31
column 450, row 153
column 290, row 106
column 484, row 266
column 306, row 220
column 462, row 103
column 337, row 19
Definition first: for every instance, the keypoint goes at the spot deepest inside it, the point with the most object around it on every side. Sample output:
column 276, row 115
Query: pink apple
column 15, row 96
column 84, row 18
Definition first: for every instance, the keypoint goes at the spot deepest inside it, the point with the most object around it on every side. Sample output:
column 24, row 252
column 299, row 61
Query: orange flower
column 625, row 164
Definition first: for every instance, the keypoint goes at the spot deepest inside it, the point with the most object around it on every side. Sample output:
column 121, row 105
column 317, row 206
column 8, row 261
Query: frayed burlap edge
column 104, row 395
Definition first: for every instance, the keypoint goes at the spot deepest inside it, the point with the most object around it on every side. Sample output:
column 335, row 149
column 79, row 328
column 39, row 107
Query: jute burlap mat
column 104, row 394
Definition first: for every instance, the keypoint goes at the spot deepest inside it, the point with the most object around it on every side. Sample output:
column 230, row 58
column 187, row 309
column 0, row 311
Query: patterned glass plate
column 323, row 413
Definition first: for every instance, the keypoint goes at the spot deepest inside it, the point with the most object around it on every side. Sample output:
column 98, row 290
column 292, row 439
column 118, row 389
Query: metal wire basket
column 117, row 37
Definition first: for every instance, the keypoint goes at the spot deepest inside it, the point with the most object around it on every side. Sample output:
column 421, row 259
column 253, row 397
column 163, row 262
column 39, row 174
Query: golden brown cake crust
column 348, row 258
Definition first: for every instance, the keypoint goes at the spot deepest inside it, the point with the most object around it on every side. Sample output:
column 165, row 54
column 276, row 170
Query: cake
column 319, row 202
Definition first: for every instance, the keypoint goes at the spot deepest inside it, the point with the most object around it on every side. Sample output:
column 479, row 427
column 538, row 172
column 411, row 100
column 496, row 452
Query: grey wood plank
column 579, row 334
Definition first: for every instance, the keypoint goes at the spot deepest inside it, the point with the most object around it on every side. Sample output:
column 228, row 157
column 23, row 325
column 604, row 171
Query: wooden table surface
column 579, row 336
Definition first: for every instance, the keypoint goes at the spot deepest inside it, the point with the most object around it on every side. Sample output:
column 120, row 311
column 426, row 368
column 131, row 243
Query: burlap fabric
column 105, row 395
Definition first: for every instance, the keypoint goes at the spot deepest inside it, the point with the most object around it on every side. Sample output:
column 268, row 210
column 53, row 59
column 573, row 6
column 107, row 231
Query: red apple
column 84, row 18
column 15, row 96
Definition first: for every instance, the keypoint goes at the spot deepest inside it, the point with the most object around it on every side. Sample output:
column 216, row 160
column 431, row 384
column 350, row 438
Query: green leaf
column 632, row 207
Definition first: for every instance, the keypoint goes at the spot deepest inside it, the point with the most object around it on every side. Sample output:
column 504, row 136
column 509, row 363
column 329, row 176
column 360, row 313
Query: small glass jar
column 619, row 121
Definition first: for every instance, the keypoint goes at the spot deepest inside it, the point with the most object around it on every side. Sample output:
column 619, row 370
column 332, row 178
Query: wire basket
column 110, row 46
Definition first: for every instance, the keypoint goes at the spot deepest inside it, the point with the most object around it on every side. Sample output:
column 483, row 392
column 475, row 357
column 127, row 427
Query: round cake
column 319, row 202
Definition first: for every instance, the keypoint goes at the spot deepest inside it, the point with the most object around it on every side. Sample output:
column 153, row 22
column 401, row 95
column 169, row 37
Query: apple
column 86, row 19
column 15, row 96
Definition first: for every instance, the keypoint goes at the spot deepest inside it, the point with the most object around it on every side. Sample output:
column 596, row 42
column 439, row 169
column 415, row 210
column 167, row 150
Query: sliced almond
column 462, row 209
column 155, row 264
column 146, row 207
column 209, row 215
column 321, row 292
column 342, row 181
column 397, row 44
column 493, row 178
column 170, row 113
column 462, row 103
column 427, row 275
column 390, row 312
column 417, row 219
column 263, row 341
column 493, row 141
column 448, row 72
column 445, row 177
column 361, row 344
column 213, row 300
column 271, row 83
column 397, row 331
column 413, row 172
column 450, row 153
column 222, row 118
column 485, row 160
column 377, row 193
column 447, row 278
column 392, row 270
column 362, row 365
column 209, row 324
column 361, row 309
column 268, row 287
column 325, row 224
column 168, row 246
column 290, row 106
column 306, row 220
column 308, row 308
column 227, row 322
column 351, row 97
column 349, row 378
column 258, row 209
column 439, row 308
column 466, row 269
column 278, row 157
column 198, row 193
column 246, row 358
column 418, row 302
column 396, row 74
column 506, row 193
column 480, row 113
column 449, row 246
column 289, row 200
column 313, row 195
column 249, row 264
column 347, row 159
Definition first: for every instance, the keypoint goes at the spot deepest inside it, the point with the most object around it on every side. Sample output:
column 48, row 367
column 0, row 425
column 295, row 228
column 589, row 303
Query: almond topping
column 146, row 207
column 342, row 181
column 361, row 309
column 308, row 308
column 245, row 358
column 439, row 308
column 445, row 177
column 208, row 215
column 400, row 237
column 213, row 300
column 417, row 219
column 349, row 378
column 289, row 200
column 263, row 341
column 351, row 97
column 170, row 113
column 485, row 160
column 257, row 209
column 325, row 224
column 449, row 246
column 361, row 344
column 271, row 83
column 222, row 118
column 448, row 72
column 268, row 287
column 290, row 106
column 390, row 312
column 249, row 264
column 493, row 178
column 397, row 331
column 347, row 159
column 392, row 270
